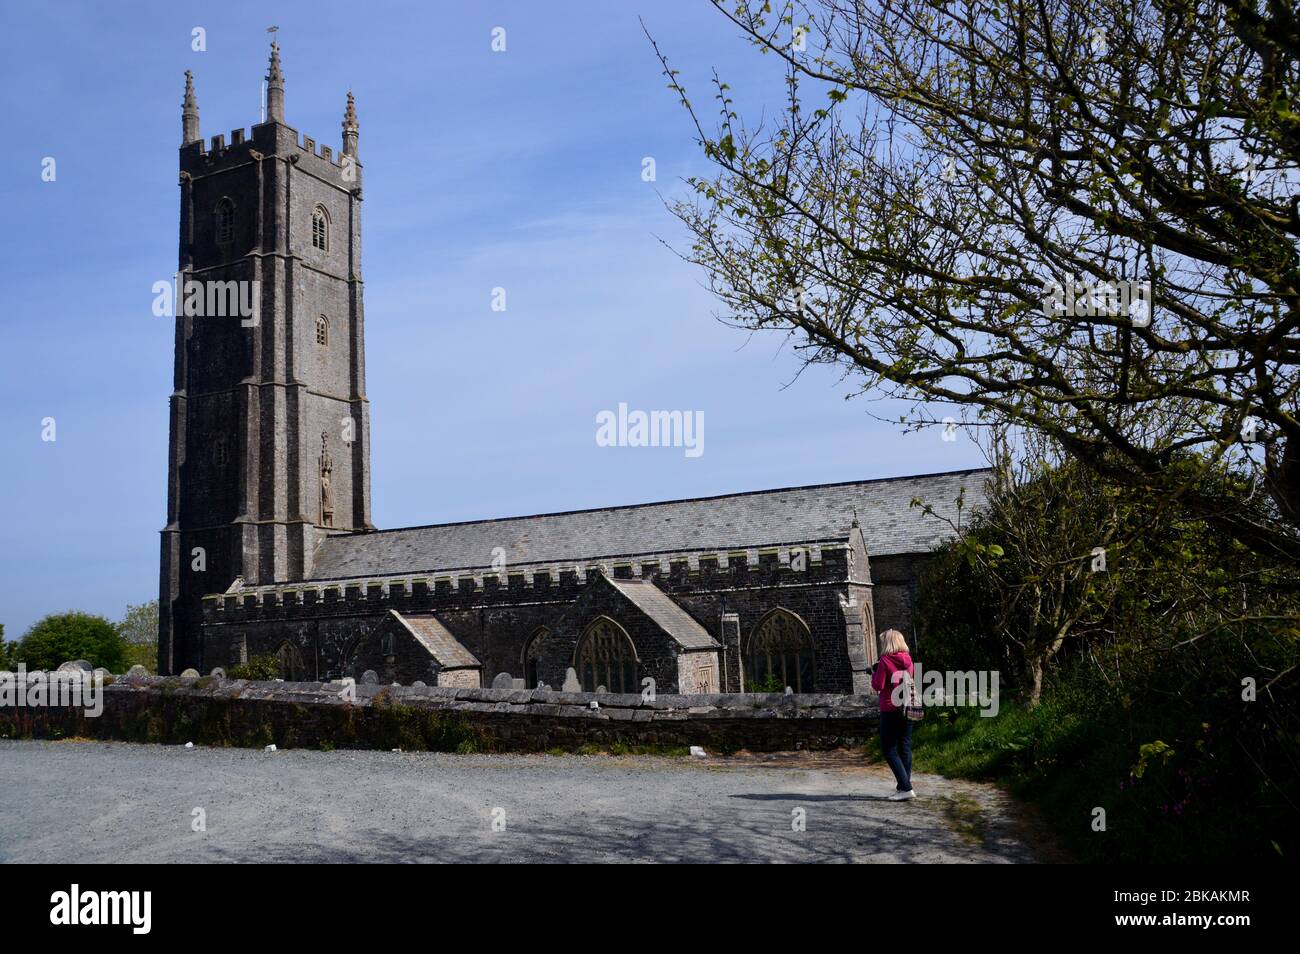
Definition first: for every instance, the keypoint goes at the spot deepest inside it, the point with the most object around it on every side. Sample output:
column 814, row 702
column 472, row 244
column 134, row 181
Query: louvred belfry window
column 225, row 222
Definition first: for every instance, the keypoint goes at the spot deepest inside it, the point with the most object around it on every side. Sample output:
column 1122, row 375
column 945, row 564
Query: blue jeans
column 896, row 744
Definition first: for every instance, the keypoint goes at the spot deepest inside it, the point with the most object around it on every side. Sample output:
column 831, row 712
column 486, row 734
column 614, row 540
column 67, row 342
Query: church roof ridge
column 661, row 503
column 749, row 520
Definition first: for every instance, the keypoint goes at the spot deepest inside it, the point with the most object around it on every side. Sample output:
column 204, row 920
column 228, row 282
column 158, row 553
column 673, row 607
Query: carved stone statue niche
column 326, row 492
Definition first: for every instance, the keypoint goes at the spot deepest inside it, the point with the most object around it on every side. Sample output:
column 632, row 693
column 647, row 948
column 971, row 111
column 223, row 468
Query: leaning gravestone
column 76, row 665
column 503, row 680
column 370, row 678
column 137, row 672
column 218, row 673
column 571, row 683
column 190, row 674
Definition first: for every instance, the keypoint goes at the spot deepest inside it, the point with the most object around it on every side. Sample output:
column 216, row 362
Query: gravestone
column 418, row 685
column 190, row 674
column 571, row 682
column 137, row 672
column 520, row 684
column 76, row 665
column 370, row 678
column 218, row 673
column 503, row 680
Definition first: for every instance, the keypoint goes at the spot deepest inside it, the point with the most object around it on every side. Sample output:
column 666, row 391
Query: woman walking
column 894, row 668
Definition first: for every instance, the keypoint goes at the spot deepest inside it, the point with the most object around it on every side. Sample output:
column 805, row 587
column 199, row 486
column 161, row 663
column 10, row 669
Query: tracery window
column 290, row 660
column 606, row 657
column 780, row 654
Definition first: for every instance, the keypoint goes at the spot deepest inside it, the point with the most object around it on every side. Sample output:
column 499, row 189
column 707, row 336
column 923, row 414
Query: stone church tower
column 270, row 425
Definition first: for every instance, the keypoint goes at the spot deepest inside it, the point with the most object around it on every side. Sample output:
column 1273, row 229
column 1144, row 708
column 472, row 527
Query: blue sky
column 519, row 169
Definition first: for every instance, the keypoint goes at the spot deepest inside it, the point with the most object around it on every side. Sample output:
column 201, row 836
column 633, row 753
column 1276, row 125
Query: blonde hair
column 892, row 641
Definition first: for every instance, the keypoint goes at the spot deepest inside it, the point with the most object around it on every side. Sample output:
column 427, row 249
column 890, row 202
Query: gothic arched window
column 225, row 222
column 780, row 654
column 606, row 657
column 322, row 330
column 532, row 653
column 290, row 660
column 320, row 228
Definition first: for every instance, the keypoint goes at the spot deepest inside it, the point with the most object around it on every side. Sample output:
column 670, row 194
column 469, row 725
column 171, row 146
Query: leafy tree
column 942, row 176
column 60, row 637
column 1061, row 564
column 139, row 631
column 140, row 624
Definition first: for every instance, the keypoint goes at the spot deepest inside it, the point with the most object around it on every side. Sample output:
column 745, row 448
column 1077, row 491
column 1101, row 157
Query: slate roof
column 441, row 644
column 666, row 614
column 763, row 518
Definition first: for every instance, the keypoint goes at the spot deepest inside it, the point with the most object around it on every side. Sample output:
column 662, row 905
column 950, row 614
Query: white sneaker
column 902, row 796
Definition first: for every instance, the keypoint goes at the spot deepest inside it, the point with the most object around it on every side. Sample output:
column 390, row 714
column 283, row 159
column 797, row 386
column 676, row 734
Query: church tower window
column 225, row 222
column 322, row 330
column 320, row 229
column 606, row 657
column 780, row 654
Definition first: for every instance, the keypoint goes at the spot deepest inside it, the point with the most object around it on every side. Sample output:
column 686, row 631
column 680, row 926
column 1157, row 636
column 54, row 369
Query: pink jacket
column 887, row 675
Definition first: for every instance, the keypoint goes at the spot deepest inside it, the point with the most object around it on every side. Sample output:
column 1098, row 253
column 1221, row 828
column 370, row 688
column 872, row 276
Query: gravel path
column 118, row 802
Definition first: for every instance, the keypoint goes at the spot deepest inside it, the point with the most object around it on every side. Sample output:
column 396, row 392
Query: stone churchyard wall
column 231, row 712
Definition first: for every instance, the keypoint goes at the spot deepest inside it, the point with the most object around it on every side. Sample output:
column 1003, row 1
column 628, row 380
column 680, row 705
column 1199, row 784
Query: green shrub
column 769, row 683
column 1143, row 671
column 263, row 668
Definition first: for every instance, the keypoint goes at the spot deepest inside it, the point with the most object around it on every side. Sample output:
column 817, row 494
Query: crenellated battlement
column 217, row 147
column 270, row 140
column 326, row 153
column 698, row 572
column 272, row 137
